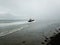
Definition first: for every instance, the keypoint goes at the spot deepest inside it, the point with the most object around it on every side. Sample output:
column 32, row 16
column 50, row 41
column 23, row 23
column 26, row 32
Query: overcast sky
column 31, row 8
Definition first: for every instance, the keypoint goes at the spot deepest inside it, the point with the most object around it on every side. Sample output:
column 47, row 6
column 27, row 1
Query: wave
column 13, row 23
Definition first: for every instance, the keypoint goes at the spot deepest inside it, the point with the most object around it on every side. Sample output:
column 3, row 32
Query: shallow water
column 33, row 34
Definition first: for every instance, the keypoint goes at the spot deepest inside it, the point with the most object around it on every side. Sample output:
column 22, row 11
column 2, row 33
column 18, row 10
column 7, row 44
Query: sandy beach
column 33, row 33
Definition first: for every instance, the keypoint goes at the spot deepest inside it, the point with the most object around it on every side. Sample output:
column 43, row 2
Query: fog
column 25, row 9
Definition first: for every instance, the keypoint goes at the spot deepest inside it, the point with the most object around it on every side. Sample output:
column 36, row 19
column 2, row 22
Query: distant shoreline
column 9, row 21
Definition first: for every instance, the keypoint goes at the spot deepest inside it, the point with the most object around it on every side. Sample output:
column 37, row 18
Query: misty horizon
column 35, row 9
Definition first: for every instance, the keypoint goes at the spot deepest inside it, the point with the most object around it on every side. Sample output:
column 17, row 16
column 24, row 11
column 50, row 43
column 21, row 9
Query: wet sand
column 37, row 33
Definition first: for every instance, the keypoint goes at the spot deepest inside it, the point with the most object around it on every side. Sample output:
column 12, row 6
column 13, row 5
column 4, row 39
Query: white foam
column 14, row 23
column 11, row 31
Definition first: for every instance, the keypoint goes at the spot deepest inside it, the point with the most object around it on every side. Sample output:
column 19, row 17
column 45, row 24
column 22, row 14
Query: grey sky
column 31, row 8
